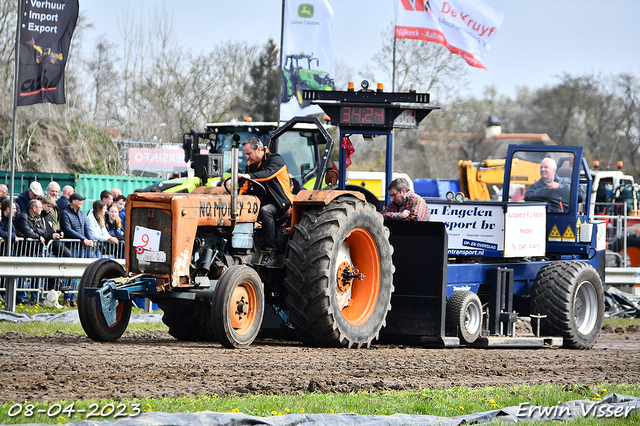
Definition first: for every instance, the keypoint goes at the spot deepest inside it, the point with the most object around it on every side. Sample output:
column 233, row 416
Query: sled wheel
column 91, row 319
column 188, row 320
column 339, row 274
column 299, row 88
column 571, row 295
column 464, row 311
column 238, row 307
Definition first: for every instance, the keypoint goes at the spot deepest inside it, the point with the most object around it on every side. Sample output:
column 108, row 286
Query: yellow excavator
column 476, row 176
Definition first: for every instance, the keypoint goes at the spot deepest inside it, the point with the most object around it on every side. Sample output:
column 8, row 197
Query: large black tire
column 302, row 102
column 570, row 294
column 238, row 307
column 90, row 318
column 188, row 320
column 464, row 311
column 327, row 308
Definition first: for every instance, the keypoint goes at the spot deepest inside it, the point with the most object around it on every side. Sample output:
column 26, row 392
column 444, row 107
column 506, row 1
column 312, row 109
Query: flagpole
column 11, row 282
column 280, row 71
column 393, row 72
column 393, row 69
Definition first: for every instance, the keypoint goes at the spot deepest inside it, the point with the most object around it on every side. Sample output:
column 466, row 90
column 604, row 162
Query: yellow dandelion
column 424, row 394
column 598, row 399
column 604, row 390
column 331, row 411
column 302, row 410
column 274, row 412
column 492, row 400
column 235, row 410
column 450, row 409
column 287, row 410
column 461, row 407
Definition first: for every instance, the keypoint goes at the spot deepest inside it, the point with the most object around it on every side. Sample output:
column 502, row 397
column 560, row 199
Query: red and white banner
column 465, row 27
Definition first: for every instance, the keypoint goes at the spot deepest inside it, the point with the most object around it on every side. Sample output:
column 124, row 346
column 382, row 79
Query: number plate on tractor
column 151, row 256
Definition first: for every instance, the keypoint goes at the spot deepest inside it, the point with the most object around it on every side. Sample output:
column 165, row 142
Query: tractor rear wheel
column 339, row 274
column 188, row 320
column 238, row 307
column 285, row 97
column 464, row 311
column 88, row 307
column 570, row 294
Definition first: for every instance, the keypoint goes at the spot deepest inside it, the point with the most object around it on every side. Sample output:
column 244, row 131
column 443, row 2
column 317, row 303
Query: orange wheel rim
column 364, row 292
column 242, row 307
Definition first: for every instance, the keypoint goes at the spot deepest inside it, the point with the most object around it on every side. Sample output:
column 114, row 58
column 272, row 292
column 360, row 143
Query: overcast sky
column 538, row 39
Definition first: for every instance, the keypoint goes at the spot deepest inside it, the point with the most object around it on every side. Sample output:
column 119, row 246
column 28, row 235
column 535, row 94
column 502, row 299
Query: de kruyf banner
column 465, row 27
column 46, row 28
column 307, row 55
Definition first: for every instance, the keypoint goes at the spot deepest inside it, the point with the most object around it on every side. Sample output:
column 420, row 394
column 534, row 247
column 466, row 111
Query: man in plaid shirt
column 405, row 204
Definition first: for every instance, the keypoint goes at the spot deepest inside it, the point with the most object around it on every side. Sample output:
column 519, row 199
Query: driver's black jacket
column 272, row 173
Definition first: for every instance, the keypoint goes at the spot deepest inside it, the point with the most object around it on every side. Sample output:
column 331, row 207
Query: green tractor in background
column 295, row 78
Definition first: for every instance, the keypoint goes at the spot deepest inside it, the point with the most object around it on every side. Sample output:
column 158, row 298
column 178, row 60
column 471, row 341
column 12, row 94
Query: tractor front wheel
column 238, row 307
column 339, row 274
column 300, row 87
column 570, row 294
column 91, row 319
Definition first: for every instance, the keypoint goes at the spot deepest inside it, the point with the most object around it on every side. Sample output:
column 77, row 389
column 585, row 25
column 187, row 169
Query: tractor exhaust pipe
column 234, row 177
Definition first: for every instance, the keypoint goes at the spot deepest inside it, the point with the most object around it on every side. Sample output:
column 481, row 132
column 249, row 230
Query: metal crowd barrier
column 35, row 277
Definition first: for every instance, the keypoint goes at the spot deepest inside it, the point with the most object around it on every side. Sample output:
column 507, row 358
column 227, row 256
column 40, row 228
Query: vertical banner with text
column 46, row 28
column 307, row 55
column 465, row 27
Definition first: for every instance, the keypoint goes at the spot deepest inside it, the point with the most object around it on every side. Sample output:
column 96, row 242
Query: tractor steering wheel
column 261, row 186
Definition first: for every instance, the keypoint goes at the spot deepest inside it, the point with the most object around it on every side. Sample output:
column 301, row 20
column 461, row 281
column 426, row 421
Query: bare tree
column 429, row 67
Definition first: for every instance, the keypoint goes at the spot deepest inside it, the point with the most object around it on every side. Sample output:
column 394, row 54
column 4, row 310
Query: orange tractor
column 195, row 256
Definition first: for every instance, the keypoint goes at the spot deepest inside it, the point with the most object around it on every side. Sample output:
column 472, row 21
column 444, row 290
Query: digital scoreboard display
column 360, row 115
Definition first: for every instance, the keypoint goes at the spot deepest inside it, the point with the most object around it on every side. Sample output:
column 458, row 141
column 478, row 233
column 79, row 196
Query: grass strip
column 449, row 402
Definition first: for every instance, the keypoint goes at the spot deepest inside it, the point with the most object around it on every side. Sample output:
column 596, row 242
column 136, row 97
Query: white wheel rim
column 344, row 255
column 472, row 317
column 585, row 307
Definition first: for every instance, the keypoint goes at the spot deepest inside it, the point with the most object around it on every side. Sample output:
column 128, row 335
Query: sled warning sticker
column 555, row 235
column 568, row 235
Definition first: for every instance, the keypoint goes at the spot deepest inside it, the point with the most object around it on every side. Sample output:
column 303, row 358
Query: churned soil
column 153, row 364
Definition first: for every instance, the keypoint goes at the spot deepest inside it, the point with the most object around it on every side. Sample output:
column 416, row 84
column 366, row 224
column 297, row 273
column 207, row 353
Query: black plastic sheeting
column 618, row 304
column 69, row 316
column 612, row 405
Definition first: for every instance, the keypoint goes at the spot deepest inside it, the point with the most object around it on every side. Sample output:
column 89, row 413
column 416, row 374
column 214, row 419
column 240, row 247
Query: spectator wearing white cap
column 34, row 191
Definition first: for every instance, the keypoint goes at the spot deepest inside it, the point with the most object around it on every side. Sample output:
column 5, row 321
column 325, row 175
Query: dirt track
column 155, row 365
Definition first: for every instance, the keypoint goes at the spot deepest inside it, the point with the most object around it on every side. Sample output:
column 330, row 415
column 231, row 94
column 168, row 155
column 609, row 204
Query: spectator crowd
column 52, row 222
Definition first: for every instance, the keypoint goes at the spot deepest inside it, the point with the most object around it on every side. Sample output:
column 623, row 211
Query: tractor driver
column 270, row 170
column 552, row 188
